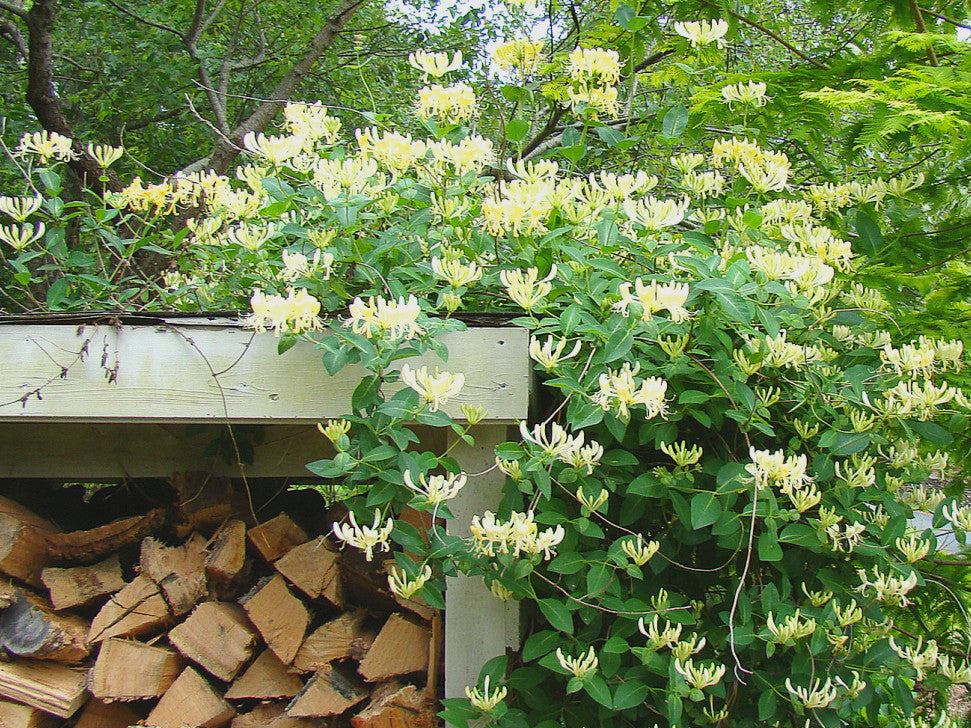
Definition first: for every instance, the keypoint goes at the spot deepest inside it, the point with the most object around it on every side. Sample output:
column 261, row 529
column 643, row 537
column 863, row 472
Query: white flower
column 485, row 700
column 434, row 389
column 750, row 94
column 455, row 272
column 817, row 695
column 652, row 298
column 700, row 676
column 366, row 538
column 105, row 155
column 578, row 666
column 547, row 355
column 527, row 290
column 20, row 236
column 436, row 488
column 703, row 32
column 395, row 318
column 20, row 208
column 639, row 551
column 47, row 145
column 434, row 64
column 274, row 149
column 406, row 588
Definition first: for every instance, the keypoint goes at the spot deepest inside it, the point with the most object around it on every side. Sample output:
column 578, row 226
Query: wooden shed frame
column 106, row 397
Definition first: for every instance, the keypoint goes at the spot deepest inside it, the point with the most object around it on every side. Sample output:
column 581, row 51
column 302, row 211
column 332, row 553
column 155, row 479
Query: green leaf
column 705, row 509
column 869, row 232
column 675, row 121
column 517, row 129
column 610, row 136
column 540, row 643
column 769, row 548
column 57, row 293
column 629, row 695
column 596, row 687
column 557, row 614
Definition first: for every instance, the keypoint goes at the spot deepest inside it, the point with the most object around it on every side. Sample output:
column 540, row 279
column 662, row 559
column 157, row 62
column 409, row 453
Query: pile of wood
column 196, row 616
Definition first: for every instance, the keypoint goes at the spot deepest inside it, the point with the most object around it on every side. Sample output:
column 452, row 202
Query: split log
column 401, row 647
column 279, row 616
column 346, row 636
column 227, row 553
column 394, row 706
column 23, row 542
column 48, row 686
column 275, row 537
column 82, row 585
column 330, row 691
column 98, row 714
column 30, row 628
column 271, row 715
column 266, row 678
column 9, row 593
column 205, row 500
column 96, row 543
column 127, row 670
column 15, row 715
column 137, row 609
column 179, row 571
column 314, row 569
column 217, row 636
column 190, row 701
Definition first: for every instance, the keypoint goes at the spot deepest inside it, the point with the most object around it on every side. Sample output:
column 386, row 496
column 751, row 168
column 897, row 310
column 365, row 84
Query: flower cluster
column 435, row 389
column 394, row 319
column 294, row 313
column 620, row 389
column 518, row 534
column 594, row 72
column 450, row 104
column 366, row 538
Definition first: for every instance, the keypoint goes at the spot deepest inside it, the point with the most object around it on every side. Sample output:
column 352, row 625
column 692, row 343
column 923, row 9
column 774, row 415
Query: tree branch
column 922, row 28
column 145, row 121
column 226, row 150
column 9, row 31
column 19, row 10
column 774, row 36
column 950, row 21
column 144, row 21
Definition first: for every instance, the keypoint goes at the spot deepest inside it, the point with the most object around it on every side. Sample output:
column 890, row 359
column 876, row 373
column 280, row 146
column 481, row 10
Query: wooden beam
column 478, row 626
column 205, row 371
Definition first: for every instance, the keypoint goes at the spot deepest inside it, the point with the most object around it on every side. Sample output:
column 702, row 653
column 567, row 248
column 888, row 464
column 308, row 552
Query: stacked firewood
column 220, row 621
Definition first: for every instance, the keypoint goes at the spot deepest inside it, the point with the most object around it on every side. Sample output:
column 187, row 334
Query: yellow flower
column 296, row 313
column 395, row 318
column 406, row 588
column 602, row 98
column 487, row 699
column 396, row 151
column 748, row 94
column 520, row 55
column 817, row 695
column 639, row 551
column 455, row 272
column 700, row 676
column 274, row 149
column 652, row 298
column 434, row 389
column 47, row 145
column 20, row 208
column 654, row 214
column 335, row 429
column 578, row 666
column 366, row 538
column 620, row 388
column 311, row 122
column 447, row 103
column 682, row 455
column 105, row 155
column 525, row 289
column 434, row 64
column 594, row 64
column 436, row 489
column 20, row 236
column 703, row 32
column 547, row 355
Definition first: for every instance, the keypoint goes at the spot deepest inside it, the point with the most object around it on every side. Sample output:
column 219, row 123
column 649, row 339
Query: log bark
column 279, row 616
column 217, row 636
column 128, row 670
column 23, row 542
column 191, row 701
column 82, row 585
column 205, row 500
column 397, row 706
column 97, row 543
column 49, row 686
column 30, row 628
column 227, row 553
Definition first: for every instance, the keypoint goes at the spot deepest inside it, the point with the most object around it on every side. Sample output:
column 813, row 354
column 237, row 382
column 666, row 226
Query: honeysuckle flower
column 334, row 430
column 434, row 64
column 297, row 265
column 105, row 155
column 658, row 637
column 539, row 170
column 654, row 297
column 751, row 93
column 436, row 489
column 296, row 312
column 500, row 592
column 919, row 658
column 47, row 145
column 960, row 518
column 473, row 413
column 592, row 504
column 684, row 649
column 765, row 176
column 274, row 149
column 20, row 208
column 703, row 184
column 700, row 676
column 787, row 472
column 487, row 699
column 805, row 498
column 405, row 587
column 639, row 550
column 956, row 672
column 791, row 628
column 584, row 458
column 914, row 547
column 549, row 356
column 557, row 444
column 682, row 455
column 673, row 346
column 447, row 103
column 311, row 122
column 601, row 98
column 654, row 214
column 848, row 614
column 491, row 536
column 527, row 289
column 396, row 151
column 594, row 63
column 366, row 538
column 519, row 55
column 19, row 237
column 455, row 272
column 580, row 666
column 817, row 695
column 703, row 32
column 817, row 598
column 434, row 389
column 378, row 316
column 510, row 468
column 846, row 540
column 620, row 388
column 887, row 588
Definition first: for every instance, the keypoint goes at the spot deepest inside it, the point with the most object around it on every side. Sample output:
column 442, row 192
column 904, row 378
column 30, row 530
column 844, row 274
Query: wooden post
column 478, row 626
